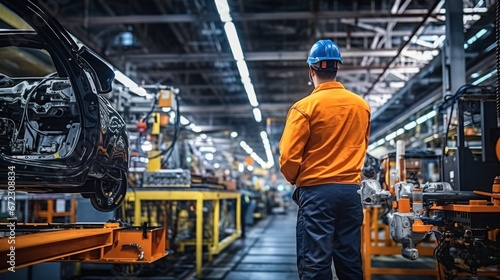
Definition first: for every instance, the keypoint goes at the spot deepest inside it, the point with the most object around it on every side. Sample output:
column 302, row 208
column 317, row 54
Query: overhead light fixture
column 390, row 136
column 205, row 149
column 223, row 9
column 209, row 156
column 484, row 78
column 475, row 75
column 196, row 129
column 431, row 114
column 184, row 121
column 421, row 119
column 234, row 42
column 246, row 147
column 242, row 68
column 397, row 84
column 234, row 134
column 257, row 114
column 267, row 146
column 475, row 37
column 410, row 125
column 252, row 98
column 258, row 160
column 263, row 135
column 128, row 83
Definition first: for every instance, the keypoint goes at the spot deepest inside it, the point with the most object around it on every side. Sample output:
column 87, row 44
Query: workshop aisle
column 267, row 252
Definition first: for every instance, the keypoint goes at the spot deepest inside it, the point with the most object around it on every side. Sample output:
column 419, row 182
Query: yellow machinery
column 139, row 197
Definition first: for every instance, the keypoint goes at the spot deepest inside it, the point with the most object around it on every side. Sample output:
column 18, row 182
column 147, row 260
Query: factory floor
column 268, row 253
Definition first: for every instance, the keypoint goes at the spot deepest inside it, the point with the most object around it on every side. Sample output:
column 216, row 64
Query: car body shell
column 101, row 148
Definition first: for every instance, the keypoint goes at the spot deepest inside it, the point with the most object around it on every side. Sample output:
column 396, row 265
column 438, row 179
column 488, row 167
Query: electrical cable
column 169, row 150
column 145, row 120
column 452, row 99
column 25, row 115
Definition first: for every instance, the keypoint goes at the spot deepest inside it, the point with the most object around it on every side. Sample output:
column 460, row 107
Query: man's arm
column 294, row 138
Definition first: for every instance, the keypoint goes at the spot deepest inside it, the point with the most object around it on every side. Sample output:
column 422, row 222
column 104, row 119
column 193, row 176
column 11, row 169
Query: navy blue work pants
column 329, row 228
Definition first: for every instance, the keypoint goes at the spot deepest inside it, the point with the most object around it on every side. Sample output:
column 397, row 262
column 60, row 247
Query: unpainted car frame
column 58, row 134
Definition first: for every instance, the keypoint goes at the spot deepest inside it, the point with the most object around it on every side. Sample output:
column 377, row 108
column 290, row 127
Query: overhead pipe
column 403, row 46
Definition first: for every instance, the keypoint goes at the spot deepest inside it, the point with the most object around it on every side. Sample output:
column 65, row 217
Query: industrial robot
column 462, row 211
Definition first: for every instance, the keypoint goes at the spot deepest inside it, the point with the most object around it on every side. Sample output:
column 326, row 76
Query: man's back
column 338, row 123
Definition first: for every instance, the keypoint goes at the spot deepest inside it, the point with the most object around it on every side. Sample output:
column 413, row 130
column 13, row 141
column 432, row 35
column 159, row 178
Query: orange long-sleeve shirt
column 325, row 137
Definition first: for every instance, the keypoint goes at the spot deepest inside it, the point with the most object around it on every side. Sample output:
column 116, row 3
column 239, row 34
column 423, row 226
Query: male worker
column 322, row 150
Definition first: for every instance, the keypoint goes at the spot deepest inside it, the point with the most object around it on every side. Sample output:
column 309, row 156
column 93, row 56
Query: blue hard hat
column 324, row 50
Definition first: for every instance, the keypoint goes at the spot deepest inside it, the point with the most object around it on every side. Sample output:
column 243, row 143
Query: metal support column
column 199, row 233
column 453, row 49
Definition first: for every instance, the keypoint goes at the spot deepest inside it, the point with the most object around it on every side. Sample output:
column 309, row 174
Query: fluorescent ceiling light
column 196, row 129
column 410, row 125
column 184, row 121
column 400, row 131
column 232, row 36
column 397, row 84
column 257, row 114
column 242, row 68
column 484, row 78
column 127, row 82
column 234, row 42
column 431, row 114
column 475, row 75
column 390, row 136
column 421, row 119
column 252, row 98
column 381, row 141
column 439, row 41
column 234, row 134
column 263, row 135
column 246, row 147
column 206, row 149
column 246, row 80
column 223, row 9
column 216, row 165
column 209, row 156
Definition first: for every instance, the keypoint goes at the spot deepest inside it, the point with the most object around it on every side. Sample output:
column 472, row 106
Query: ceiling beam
column 408, row 16
column 249, row 56
column 230, row 109
column 343, row 70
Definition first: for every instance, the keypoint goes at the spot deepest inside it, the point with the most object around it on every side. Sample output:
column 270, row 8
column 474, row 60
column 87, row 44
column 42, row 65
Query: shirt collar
column 328, row 85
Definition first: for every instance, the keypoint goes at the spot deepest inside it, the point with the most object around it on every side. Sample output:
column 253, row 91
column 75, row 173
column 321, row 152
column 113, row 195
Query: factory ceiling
column 183, row 43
